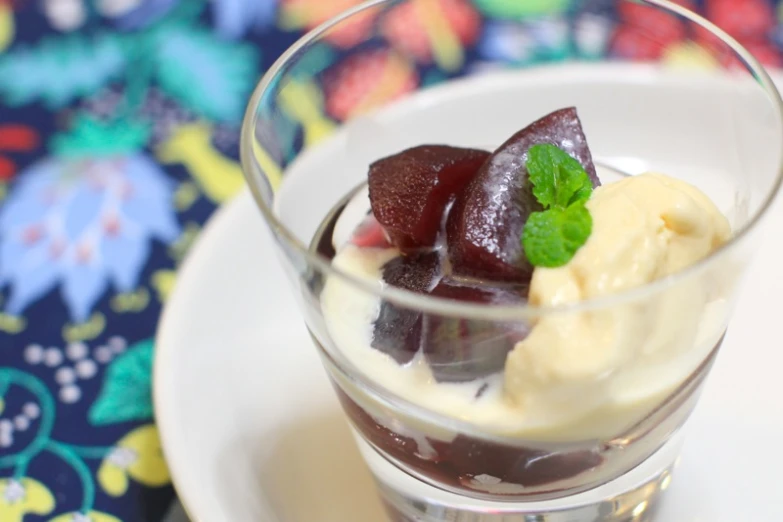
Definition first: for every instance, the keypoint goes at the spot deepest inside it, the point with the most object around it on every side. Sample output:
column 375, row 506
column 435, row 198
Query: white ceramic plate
column 252, row 431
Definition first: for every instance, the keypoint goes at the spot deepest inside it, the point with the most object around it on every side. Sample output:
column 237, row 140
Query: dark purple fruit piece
column 398, row 330
column 450, row 288
column 409, row 191
column 460, row 461
column 472, row 457
column 485, row 225
column 459, row 349
column 418, row 273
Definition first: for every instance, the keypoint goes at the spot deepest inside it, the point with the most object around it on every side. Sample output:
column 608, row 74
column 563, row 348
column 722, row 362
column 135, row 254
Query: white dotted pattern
column 122, row 457
column 86, row 369
column 53, row 357
column 79, row 517
column 31, row 410
column 33, row 354
column 103, row 354
column 21, row 422
column 76, row 351
column 65, row 15
column 70, row 394
column 6, row 439
column 14, row 491
column 65, row 375
column 117, row 344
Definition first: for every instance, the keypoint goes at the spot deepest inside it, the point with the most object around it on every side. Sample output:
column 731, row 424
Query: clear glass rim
column 494, row 312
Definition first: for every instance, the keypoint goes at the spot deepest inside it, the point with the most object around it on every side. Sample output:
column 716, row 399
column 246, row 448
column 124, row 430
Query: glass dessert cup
column 446, row 444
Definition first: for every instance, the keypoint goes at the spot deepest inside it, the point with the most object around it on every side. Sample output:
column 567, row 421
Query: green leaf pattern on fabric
column 58, row 70
column 211, row 77
column 126, row 393
column 519, row 10
column 90, row 137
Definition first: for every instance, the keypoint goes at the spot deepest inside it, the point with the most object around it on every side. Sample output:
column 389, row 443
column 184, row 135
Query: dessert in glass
column 518, row 281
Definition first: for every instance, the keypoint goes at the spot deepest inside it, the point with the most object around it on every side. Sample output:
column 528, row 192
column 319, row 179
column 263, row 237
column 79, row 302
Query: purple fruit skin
column 397, row 331
column 486, row 222
column 409, row 193
column 464, row 349
column 457, row 349
column 410, row 190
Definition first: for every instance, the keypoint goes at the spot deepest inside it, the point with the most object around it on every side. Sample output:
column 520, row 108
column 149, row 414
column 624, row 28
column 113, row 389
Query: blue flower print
column 507, row 42
column 82, row 224
column 523, row 43
column 135, row 14
column 234, row 18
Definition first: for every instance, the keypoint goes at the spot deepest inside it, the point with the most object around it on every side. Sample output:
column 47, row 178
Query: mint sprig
column 561, row 185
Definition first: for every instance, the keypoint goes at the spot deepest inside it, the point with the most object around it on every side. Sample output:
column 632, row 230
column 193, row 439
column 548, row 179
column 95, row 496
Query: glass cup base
column 633, row 497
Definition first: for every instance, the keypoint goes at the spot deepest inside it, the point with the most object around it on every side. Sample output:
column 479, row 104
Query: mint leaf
column 560, row 183
column 583, row 193
column 552, row 237
column 558, row 179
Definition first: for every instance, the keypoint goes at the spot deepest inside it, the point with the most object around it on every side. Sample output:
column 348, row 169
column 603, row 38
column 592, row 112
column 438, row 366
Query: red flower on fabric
column 750, row 22
column 417, row 27
column 13, row 5
column 742, row 19
column 367, row 80
column 646, row 33
column 14, row 138
column 308, row 14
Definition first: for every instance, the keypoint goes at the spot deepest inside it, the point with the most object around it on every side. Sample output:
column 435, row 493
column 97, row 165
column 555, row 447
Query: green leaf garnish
column 552, row 237
column 560, row 184
column 558, row 179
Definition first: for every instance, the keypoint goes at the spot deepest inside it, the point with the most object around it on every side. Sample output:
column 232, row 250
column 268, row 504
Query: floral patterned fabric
column 119, row 123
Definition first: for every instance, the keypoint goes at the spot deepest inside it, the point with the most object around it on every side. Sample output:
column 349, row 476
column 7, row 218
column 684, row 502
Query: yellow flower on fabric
column 689, row 55
column 137, row 455
column 6, row 25
column 219, row 176
column 91, row 516
column 163, row 282
column 23, row 497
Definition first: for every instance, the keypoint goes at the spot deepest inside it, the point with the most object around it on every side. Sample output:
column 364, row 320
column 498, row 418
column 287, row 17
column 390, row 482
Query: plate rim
column 165, row 349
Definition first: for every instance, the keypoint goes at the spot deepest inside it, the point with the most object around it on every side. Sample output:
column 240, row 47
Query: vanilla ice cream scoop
column 644, row 227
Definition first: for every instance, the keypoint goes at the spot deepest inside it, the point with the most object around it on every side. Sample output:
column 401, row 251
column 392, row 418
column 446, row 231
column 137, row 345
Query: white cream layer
column 594, row 400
